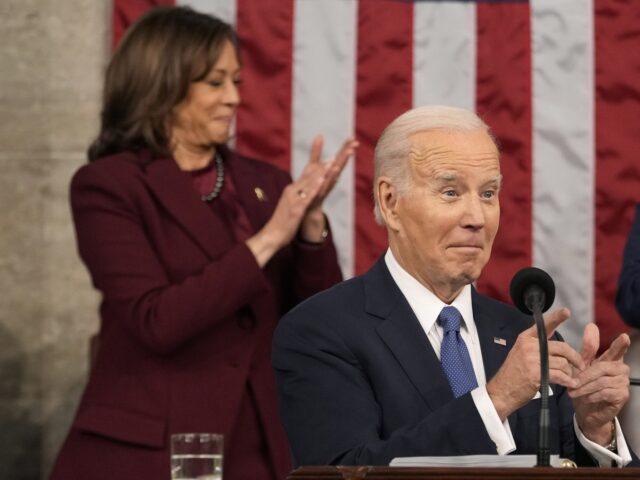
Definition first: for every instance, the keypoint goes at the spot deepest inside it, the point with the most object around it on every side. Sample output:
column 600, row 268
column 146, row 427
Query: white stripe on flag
column 444, row 57
column 223, row 9
column 324, row 67
column 563, row 153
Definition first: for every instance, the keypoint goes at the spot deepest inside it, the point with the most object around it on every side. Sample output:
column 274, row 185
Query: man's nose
column 474, row 214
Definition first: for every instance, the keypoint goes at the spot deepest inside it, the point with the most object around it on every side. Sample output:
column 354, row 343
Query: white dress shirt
column 427, row 307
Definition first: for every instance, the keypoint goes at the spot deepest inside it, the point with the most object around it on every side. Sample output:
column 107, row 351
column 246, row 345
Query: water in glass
column 196, row 467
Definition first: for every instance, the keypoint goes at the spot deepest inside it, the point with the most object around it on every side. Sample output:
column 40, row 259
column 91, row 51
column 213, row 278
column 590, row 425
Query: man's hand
column 602, row 388
column 519, row 377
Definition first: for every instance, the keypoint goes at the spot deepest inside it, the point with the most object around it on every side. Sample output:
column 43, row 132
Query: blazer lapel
column 493, row 325
column 174, row 191
column 495, row 337
column 257, row 197
column 402, row 333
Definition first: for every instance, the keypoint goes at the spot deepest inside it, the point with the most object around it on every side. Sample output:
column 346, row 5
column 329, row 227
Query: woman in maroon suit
column 197, row 252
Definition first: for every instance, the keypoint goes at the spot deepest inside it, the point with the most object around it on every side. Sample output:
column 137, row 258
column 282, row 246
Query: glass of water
column 196, row 456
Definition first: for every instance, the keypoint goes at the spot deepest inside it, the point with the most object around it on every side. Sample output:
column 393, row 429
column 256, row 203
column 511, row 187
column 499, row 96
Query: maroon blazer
column 186, row 312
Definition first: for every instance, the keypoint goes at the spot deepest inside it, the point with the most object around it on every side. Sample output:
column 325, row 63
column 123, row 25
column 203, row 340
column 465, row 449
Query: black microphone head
column 527, row 278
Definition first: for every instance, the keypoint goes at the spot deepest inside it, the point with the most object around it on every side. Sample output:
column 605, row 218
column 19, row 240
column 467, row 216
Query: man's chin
column 467, row 277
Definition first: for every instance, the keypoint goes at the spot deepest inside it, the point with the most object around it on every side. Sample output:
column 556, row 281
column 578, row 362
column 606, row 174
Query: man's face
column 446, row 222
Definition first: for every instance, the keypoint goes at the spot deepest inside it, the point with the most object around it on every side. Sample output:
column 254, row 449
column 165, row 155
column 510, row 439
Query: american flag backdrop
column 557, row 80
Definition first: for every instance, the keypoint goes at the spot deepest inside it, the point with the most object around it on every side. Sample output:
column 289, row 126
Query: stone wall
column 52, row 56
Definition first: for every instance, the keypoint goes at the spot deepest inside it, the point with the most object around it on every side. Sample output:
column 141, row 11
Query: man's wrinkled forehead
column 437, row 148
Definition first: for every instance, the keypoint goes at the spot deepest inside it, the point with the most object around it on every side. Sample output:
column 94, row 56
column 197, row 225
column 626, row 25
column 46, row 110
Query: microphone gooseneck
column 533, row 291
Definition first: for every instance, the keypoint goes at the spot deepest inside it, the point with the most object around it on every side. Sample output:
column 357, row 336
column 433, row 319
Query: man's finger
column 551, row 321
column 565, row 351
column 590, row 343
column 601, row 375
column 617, row 349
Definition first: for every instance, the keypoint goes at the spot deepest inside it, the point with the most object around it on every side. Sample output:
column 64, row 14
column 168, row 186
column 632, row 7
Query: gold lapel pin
column 260, row 194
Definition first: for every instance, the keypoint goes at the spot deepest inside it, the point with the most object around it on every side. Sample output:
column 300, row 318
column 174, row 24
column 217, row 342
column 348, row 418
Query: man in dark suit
column 408, row 359
column 628, row 298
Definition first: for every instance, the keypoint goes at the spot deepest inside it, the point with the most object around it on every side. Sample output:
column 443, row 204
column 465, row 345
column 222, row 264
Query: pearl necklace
column 219, row 181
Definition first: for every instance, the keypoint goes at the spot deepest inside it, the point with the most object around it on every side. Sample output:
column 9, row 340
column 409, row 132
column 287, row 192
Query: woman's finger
column 316, row 149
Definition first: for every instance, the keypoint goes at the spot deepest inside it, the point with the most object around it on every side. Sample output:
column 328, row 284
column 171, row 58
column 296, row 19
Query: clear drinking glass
column 196, row 456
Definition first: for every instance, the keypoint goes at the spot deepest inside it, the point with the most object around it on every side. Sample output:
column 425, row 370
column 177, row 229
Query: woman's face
column 204, row 117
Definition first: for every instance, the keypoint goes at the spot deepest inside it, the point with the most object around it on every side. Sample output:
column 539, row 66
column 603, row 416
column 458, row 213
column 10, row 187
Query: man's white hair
column 391, row 156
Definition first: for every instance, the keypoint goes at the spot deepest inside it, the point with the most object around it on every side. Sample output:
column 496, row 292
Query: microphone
column 532, row 291
column 532, row 286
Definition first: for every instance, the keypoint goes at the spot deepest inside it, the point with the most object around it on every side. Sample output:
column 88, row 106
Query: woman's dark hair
column 160, row 55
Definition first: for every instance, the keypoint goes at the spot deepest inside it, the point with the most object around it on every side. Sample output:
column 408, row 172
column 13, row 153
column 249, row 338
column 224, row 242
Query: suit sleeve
column 316, row 267
column 628, row 297
column 569, row 445
column 330, row 411
column 114, row 244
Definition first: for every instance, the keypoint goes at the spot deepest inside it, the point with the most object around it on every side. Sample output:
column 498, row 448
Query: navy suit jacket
column 360, row 384
column 628, row 298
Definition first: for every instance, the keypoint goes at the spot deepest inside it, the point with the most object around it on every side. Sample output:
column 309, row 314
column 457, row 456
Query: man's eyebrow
column 445, row 177
column 495, row 180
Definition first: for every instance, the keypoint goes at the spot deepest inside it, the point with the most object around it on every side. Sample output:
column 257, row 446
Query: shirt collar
column 424, row 303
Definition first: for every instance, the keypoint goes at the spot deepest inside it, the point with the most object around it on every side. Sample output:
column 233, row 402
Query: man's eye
column 488, row 194
column 450, row 193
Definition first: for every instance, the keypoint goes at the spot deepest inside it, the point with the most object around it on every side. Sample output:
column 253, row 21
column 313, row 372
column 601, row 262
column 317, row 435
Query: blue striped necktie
column 454, row 355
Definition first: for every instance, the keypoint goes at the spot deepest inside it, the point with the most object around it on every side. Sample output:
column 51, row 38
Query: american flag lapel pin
column 260, row 194
column 500, row 341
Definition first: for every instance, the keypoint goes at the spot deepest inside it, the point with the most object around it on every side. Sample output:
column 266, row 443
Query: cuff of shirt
column 499, row 432
column 603, row 456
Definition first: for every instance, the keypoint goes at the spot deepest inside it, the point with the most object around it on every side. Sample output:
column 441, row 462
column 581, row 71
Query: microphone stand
column 534, row 299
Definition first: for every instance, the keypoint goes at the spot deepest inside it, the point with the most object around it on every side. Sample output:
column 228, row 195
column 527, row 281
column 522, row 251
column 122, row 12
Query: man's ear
column 388, row 202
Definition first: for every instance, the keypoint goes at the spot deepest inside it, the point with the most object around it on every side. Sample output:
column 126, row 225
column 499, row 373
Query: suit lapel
column 257, row 196
column 492, row 329
column 401, row 331
column 174, row 190
column 493, row 325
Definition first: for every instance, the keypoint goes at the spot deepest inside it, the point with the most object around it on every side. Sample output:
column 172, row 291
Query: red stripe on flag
column 617, row 89
column 503, row 100
column 265, row 31
column 384, row 91
column 125, row 12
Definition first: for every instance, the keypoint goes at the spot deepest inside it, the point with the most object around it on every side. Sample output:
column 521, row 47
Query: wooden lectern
column 420, row 473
